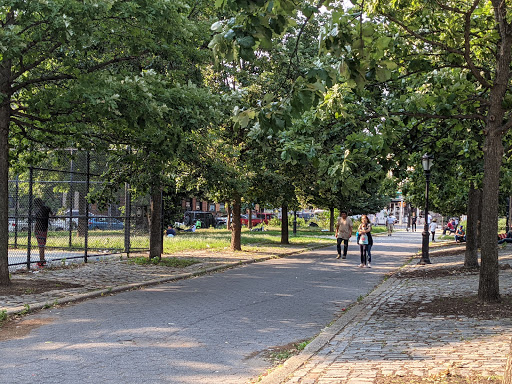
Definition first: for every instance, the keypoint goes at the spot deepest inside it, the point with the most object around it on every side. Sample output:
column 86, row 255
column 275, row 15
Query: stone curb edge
column 278, row 375
column 128, row 287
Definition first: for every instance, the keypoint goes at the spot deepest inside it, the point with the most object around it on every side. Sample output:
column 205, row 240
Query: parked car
column 103, row 223
column 257, row 218
column 244, row 219
column 207, row 220
column 222, row 220
column 265, row 217
column 61, row 222
column 20, row 224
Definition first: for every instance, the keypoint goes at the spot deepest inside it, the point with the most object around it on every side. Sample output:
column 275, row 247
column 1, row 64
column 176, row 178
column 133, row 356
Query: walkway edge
column 279, row 375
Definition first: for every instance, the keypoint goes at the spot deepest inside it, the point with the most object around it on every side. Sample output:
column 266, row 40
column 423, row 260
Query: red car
column 256, row 218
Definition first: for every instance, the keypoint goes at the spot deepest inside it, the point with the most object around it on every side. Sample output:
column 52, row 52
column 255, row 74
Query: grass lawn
column 215, row 239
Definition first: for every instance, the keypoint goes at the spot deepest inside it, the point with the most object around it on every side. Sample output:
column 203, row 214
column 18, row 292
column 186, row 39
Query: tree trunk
column 5, row 115
column 488, row 288
column 474, row 207
column 249, row 219
column 236, row 226
column 331, row 219
column 155, row 223
column 284, row 224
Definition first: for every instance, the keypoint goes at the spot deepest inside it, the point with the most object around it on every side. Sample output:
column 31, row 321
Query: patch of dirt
column 446, row 378
column 459, row 306
column 34, row 286
column 431, row 273
column 17, row 328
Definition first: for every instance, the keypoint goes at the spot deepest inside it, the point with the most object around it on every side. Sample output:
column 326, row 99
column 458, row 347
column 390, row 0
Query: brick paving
column 379, row 341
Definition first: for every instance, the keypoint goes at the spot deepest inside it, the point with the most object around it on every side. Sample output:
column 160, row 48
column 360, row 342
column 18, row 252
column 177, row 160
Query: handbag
column 363, row 238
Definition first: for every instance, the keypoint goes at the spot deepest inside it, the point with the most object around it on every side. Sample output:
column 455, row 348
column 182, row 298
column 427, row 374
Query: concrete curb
column 128, row 287
column 279, row 375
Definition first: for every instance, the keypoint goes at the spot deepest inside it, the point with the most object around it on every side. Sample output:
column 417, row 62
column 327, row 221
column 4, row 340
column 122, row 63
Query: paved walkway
column 114, row 274
column 373, row 339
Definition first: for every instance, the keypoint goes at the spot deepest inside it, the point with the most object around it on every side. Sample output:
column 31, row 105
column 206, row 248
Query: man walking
column 343, row 233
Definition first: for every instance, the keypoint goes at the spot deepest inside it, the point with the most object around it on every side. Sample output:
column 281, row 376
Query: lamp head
column 427, row 161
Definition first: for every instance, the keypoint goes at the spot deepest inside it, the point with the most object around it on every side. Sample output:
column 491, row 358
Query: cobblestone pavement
column 376, row 340
column 111, row 274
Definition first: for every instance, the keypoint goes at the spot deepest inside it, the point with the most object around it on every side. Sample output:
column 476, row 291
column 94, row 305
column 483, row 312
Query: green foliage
column 3, row 316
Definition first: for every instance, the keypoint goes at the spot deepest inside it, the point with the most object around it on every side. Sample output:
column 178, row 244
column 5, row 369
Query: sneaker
column 369, row 265
column 361, row 265
column 338, row 256
column 344, row 257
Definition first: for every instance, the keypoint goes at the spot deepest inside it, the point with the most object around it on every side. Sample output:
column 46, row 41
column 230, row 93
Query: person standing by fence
column 41, row 216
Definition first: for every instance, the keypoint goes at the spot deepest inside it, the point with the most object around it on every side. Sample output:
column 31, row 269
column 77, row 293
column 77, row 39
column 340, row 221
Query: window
column 212, row 207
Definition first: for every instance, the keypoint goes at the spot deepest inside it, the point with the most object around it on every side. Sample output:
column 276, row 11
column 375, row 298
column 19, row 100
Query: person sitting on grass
column 170, row 232
column 507, row 239
column 460, row 235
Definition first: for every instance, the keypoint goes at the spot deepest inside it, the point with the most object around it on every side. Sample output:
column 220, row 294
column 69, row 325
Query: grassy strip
column 165, row 261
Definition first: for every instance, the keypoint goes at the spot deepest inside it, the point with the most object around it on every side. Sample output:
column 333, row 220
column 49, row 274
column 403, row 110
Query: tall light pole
column 426, row 161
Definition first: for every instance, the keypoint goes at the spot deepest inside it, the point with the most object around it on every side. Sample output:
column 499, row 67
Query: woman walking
column 363, row 230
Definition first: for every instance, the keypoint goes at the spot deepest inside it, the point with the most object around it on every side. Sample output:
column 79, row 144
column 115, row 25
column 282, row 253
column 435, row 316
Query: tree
column 473, row 39
column 82, row 73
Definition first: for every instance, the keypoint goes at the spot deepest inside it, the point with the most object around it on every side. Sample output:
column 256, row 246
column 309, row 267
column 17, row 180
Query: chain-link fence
column 51, row 219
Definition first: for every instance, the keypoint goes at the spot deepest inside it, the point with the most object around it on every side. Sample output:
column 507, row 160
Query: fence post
column 29, row 219
column 71, row 200
column 87, row 187
column 16, row 211
column 127, row 215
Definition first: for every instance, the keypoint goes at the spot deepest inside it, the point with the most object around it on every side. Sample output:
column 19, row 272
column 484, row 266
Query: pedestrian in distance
column 432, row 227
column 390, row 222
column 343, row 233
column 42, row 217
column 363, row 230
column 413, row 225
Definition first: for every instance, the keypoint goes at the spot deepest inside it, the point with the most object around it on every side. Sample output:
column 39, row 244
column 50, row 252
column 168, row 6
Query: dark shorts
column 41, row 237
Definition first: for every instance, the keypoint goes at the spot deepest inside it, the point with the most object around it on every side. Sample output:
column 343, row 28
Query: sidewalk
column 114, row 274
column 393, row 336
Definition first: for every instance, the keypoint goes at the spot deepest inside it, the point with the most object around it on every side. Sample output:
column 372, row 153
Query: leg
column 338, row 245
column 41, row 243
column 345, row 248
column 369, row 253
column 363, row 261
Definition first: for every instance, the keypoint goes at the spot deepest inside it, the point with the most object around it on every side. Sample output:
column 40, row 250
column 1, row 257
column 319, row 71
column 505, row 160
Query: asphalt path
column 209, row 329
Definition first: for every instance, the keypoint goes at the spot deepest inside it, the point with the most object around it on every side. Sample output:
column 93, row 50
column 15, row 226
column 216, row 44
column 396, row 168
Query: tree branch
column 422, row 38
column 467, row 46
column 43, row 57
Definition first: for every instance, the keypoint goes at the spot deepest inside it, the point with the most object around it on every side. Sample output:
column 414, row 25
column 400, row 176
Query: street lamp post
column 426, row 161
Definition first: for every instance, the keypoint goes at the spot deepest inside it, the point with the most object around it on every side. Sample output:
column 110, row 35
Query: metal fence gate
column 77, row 229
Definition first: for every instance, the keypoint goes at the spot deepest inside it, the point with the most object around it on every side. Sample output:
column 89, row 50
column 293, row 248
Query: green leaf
column 246, row 41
